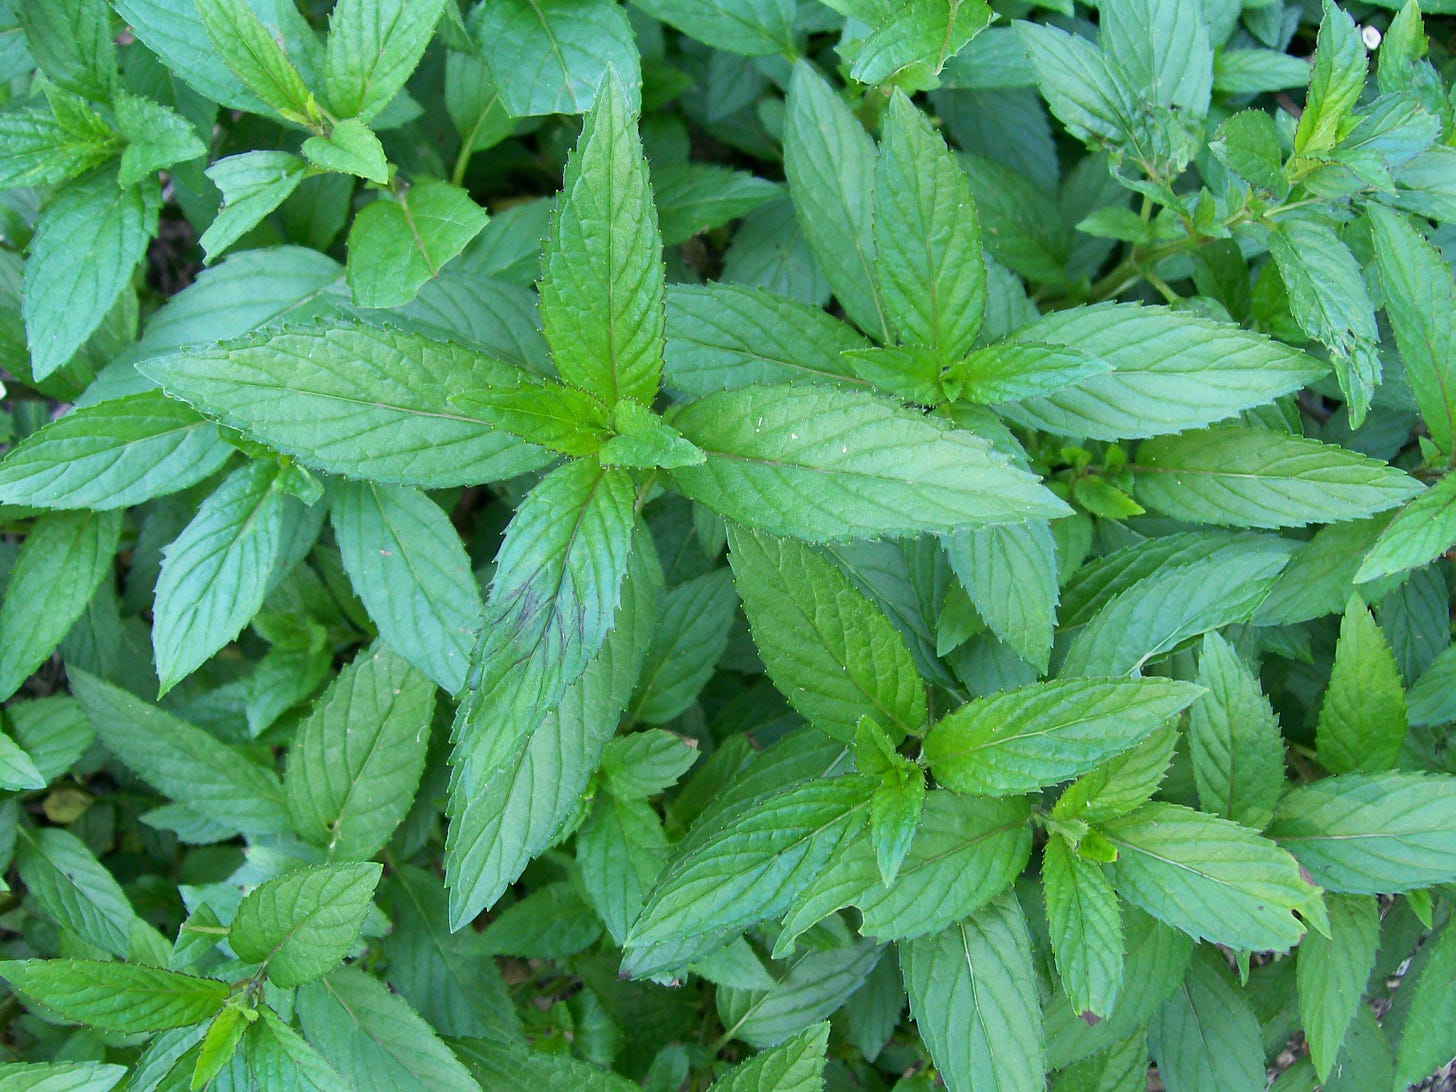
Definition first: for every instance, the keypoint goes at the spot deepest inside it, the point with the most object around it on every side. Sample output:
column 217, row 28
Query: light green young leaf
column 1234, row 739
column 257, row 58
column 1420, row 533
column 895, row 812
column 40, row 147
column 75, row 889
column 795, row 1065
column 691, row 637
column 219, row 1047
column 1206, row 1037
column 602, row 275
column 85, row 247
column 1340, row 68
column 409, row 568
column 399, row 243
column 299, row 394
column 350, row 147
column 372, row 48
column 1120, row 784
column 724, row 336
column 753, row 867
column 828, row 649
column 62, row 562
column 1429, row 1035
column 1369, row 834
column 914, row 40
column 1010, row 371
column 556, row 53
column 1332, row 975
column 180, row 761
column 71, row 40
column 819, row 464
column 1010, row 574
column 112, row 454
column 1420, row 300
column 1211, row 878
column 356, row 761
column 1172, row 371
column 216, row 573
column 122, row 997
column 303, row 923
column 543, row 412
column 1362, row 721
column 508, row 815
column 1085, row 924
column 830, row 163
column 253, row 184
column 974, row 999
column 557, row 583
column 1021, row 740
column 1245, row 477
column 278, row 1057
column 929, row 268
column 373, row 1039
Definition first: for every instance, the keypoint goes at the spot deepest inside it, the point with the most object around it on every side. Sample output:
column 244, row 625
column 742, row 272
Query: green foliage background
column 860, row 544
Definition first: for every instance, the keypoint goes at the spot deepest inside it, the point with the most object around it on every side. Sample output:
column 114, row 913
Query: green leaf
column 1429, row 1034
column 1010, row 371
column 112, row 454
column 1085, row 924
column 1362, row 721
column 1020, row 740
column 253, row 184
column 1234, row 739
column 278, row 1057
column 1075, row 79
column 75, row 889
column 1120, row 784
column 18, row 772
column 71, row 40
column 966, row 851
column 173, row 30
column 753, row 867
column 1328, row 298
column 819, row 464
column 1211, row 878
column 914, row 43
column 830, row 163
column 1159, row 49
column 1432, row 700
column 1244, row 477
column 1332, row 975
column 511, row 813
column 122, row 997
column 602, row 277
column 722, row 336
column 60, row 1076
column 42, row 147
column 539, row 411
column 1172, row 371
column 1338, row 77
column 620, row 850
column 1176, row 602
column 557, row 52
column 299, row 394
column 558, row 580
column 256, row 58
column 356, row 761
column 409, row 568
column 1206, row 1037
column 85, row 247
column 398, row 243
column 693, row 198
column 157, row 138
column 216, row 573
column 1368, row 834
column 974, row 999
column 1010, row 574
column 350, row 147
column 795, row 1065
column 219, row 1045
column 754, row 28
column 828, row 649
column 644, row 764
column 182, row 762
column 303, row 923
column 816, row 985
column 691, row 637
column 929, row 267
column 473, row 101
column 373, row 1039
column 65, row 557
column 1420, row 533
column 895, row 811
column 372, row 48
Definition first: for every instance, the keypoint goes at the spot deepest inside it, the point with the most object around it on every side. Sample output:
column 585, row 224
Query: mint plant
column 730, row 543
